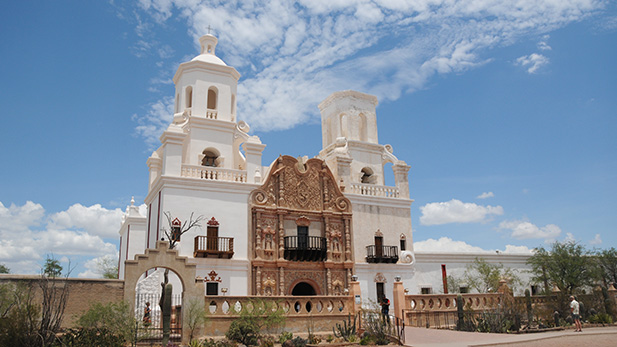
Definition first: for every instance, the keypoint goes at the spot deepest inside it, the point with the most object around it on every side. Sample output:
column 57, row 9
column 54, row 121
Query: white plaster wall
column 365, row 156
column 133, row 233
column 220, row 138
column 428, row 268
column 201, row 80
column 234, row 274
column 226, row 202
column 366, row 276
column 391, row 216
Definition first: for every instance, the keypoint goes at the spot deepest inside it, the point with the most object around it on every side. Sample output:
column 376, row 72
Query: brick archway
column 163, row 257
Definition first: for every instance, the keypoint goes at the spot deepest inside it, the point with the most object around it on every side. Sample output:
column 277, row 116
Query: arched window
column 210, row 158
column 189, row 97
column 367, row 176
column 211, row 99
column 403, row 242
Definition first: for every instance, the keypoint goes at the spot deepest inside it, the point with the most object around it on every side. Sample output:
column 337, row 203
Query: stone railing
column 229, row 306
column 373, row 190
column 211, row 114
column 439, row 310
column 447, row 302
column 213, row 173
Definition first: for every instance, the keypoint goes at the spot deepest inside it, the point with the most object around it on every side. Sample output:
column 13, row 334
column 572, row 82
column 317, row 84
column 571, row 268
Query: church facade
column 296, row 226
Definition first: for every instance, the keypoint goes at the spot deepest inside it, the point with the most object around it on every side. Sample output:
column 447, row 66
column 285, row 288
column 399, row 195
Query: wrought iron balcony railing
column 381, row 254
column 305, row 248
column 213, row 247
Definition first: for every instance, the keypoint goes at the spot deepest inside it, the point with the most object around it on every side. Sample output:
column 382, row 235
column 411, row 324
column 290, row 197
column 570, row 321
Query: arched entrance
column 303, row 289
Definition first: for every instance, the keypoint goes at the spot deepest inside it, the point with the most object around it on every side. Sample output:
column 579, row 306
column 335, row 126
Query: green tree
column 607, row 262
column 567, row 266
column 4, row 269
column 107, row 266
column 52, row 267
column 484, row 276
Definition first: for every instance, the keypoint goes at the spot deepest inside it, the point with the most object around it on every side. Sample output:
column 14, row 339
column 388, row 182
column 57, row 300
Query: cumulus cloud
column 456, row 211
column 28, row 234
column 525, row 230
column 597, row 240
column 485, row 195
column 292, row 54
column 156, row 120
column 532, row 62
column 447, row 245
column 95, row 220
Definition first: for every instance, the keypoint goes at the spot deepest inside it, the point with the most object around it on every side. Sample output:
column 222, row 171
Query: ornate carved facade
column 300, row 231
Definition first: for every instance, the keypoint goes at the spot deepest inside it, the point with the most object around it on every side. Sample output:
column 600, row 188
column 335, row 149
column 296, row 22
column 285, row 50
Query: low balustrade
column 230, row 306
column 219, row 247
column 439, row 310
column 211, row 114
column 447, row 302
column 213, row 173
column 374, row 190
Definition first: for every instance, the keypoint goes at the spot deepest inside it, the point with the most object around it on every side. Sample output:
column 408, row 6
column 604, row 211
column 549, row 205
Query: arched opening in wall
column 388, row 175
column 212, row 95
column 367, row 176
column 210, row 157
column 189, row 97
column 344, row 125
column 362, row 128
column 403, row 242
column 303, row 289
column 148, row 292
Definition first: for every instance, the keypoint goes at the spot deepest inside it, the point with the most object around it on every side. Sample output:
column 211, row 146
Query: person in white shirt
column 574, row 308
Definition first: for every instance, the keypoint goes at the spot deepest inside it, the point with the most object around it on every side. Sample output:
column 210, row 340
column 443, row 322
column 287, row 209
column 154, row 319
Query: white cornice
column 378, row 201
column 208, row 67
column 347, row 93
column 199, row 184
column 431, row 257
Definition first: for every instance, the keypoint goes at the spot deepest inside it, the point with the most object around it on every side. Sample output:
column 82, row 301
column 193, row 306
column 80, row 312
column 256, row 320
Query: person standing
column 576, row 316
column 385, row 309
column 147, row 321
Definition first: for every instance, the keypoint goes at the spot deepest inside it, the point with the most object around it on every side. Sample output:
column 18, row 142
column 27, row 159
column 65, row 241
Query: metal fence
column 151, row 330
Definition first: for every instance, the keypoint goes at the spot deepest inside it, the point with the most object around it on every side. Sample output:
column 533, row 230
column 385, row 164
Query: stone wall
column 82, row 293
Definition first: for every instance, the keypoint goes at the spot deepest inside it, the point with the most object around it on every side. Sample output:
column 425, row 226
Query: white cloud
column 95, row 220
column 485, row 195
column 93, row 266
column 532, row 62
column 455, row 211
column 597, row 240
column 569, row 238
column 28, row 234
column 447, row 245
column 156, row 120
column 525, row 230
column 294, row 54
column 543, row 44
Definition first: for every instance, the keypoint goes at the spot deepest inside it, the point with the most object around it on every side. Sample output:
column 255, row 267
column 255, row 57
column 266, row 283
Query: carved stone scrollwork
column 269, row 284
column 380, row 278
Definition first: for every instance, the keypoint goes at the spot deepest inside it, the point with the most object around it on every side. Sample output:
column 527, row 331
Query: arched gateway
column 301, row 231
column 163, row 257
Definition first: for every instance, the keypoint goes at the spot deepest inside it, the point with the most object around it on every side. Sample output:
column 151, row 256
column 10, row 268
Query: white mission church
column 291, row 227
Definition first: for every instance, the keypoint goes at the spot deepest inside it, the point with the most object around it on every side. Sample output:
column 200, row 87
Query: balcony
column 305, row 248
column 213, row 173
column 374, row 190
column 213, row 247
column 381, row 254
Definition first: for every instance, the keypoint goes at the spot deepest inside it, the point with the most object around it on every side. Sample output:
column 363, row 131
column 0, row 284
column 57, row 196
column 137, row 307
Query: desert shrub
column 265, row 341
column 367, row 340
column 243, row 331
column 329, row 338
column 299, row 342
column 218, row 343
column 86, row 337
column 114, row 318
column 284, row 336
column 601, row 318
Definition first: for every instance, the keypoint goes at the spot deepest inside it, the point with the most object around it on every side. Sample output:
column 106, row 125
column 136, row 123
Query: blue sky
column 506, row 111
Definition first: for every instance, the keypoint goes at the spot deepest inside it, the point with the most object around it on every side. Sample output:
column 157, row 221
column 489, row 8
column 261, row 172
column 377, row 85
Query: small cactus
column 166, row 313
column 347, row 331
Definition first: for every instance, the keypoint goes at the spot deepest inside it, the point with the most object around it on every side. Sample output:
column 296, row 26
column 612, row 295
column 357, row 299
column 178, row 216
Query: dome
column 208, row 47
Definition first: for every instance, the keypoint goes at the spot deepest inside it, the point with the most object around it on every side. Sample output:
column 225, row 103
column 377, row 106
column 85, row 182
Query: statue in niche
column 268, row 285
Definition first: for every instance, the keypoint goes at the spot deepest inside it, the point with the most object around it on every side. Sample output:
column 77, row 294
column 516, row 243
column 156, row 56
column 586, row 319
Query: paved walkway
column 422, row 337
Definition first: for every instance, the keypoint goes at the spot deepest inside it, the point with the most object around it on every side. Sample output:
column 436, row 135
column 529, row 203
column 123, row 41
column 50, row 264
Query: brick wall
column 82, row 293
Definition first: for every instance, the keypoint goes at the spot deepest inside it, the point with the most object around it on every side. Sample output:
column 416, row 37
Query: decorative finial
column 209, row 28
column 132, row 201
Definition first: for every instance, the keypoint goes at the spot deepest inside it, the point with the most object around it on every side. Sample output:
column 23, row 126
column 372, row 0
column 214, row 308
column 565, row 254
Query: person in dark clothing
column 385, row 309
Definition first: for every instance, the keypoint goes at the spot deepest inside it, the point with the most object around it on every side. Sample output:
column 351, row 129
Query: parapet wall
column 82, row 292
